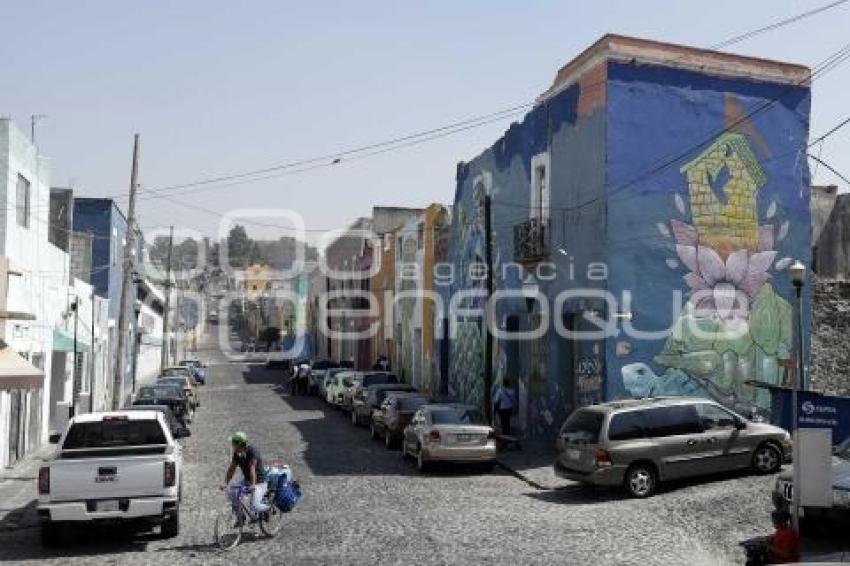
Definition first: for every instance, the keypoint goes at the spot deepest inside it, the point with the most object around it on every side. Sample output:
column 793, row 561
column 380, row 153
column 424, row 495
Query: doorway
column 16, row 426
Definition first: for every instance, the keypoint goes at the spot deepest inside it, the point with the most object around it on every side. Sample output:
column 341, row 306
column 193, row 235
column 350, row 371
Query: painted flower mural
column 726, row 287
column 733, row 328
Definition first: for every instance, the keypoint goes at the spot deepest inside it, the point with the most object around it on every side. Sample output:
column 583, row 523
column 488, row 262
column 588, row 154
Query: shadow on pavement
column 18, row 518
column 334, row 446
column 209, row 549
column 83, row 541
column 577, row 494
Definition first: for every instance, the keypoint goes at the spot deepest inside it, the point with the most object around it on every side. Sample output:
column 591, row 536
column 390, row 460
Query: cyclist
column 247, row 458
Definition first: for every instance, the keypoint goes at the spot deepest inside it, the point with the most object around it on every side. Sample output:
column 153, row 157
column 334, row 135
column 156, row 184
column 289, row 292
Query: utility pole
column 488, row 336
column 77, row 376
column 91, row 356
column 127, row 279
column 163, row 361
column 33, row 120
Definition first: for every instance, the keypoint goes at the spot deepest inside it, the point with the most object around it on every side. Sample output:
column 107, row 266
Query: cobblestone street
column 364, row 505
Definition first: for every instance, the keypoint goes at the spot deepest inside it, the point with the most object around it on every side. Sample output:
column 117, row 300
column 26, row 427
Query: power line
column 454, row 127
column 777, row 25
column 832, row 169
column 331, row 159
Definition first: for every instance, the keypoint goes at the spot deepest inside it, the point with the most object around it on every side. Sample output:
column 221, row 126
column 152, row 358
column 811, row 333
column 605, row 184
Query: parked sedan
column 178, row 429
column 783, row 489
column 166, row 395
column 336, row 388
column 199, row 370
column 449, row 433
column 185, row 383
column 326, row 380
column 367, row 378
column 395, row 413
column 370, row 398
column 353, row 384
column 315, row 379
column 181, row 371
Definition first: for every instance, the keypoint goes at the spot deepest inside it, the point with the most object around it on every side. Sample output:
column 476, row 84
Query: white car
column 783, row 489
column 112, row 467
column 449, row 432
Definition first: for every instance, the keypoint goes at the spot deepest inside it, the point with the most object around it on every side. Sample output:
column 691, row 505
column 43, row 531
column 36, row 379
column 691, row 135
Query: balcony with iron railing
column 531, row 240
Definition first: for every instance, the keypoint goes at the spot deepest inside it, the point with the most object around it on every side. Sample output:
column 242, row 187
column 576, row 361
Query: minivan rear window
column 114, row 434
column 582, row 427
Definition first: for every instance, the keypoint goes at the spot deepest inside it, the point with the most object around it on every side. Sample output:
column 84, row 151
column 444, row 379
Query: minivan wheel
column 766, row 459
column 641, row 480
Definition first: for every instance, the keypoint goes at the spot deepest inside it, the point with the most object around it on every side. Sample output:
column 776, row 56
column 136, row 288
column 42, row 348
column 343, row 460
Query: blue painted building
column 643, row 215
column 102, row 218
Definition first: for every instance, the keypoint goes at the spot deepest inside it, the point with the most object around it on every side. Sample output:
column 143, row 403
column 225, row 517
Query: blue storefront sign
column 814, row 411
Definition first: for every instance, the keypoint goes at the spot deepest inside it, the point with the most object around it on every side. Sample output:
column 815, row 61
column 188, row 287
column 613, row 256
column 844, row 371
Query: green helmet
column 239, row 438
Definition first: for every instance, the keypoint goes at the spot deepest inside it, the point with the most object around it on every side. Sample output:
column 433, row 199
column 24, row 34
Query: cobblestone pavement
column 364, row 505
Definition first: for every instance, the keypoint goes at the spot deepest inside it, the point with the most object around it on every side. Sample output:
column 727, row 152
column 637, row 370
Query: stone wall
column 832, row 253
column 829, row 372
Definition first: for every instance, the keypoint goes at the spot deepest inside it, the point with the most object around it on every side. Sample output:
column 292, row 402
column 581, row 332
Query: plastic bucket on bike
column 286, row 494
column 275, row 473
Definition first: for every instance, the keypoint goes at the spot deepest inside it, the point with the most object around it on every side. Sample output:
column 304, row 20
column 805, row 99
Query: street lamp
column 797, row 271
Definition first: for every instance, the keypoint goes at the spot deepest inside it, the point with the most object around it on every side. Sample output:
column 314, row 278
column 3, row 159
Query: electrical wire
column 454, row 127
column 831, row 168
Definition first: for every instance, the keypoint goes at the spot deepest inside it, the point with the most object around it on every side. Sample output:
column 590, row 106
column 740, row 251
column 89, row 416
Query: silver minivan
column 639, row 443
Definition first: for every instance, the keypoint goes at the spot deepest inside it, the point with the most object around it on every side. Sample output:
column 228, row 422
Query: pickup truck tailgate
column 118, row 456
column 104, row 477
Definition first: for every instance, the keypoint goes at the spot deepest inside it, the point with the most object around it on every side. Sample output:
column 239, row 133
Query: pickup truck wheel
column 171, row 526
column 51, row 533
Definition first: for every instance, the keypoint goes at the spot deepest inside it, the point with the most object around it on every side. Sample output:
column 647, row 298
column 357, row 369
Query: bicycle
column 231, row 522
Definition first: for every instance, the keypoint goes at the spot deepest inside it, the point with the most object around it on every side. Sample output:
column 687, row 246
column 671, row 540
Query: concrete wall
column 41, row 288
column 705, row 200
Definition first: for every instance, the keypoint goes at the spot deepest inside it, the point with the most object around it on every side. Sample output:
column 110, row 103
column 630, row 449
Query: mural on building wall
column 466, row 373
column 406, row 306
column 733, row 326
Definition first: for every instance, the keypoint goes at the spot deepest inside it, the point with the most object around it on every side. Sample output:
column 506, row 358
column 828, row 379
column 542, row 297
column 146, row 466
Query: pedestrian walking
column 504, row 403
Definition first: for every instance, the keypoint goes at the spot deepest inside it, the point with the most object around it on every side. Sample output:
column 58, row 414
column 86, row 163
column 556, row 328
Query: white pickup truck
column 111, row 467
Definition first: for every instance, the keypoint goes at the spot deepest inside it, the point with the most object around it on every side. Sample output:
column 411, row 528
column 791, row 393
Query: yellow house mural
column 725, row 217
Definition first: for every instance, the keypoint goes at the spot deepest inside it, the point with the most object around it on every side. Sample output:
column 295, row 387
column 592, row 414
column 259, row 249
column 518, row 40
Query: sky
column 216, row 88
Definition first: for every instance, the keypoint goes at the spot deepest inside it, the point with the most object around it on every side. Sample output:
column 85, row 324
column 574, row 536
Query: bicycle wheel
column 273, row 521
column 228, row 529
